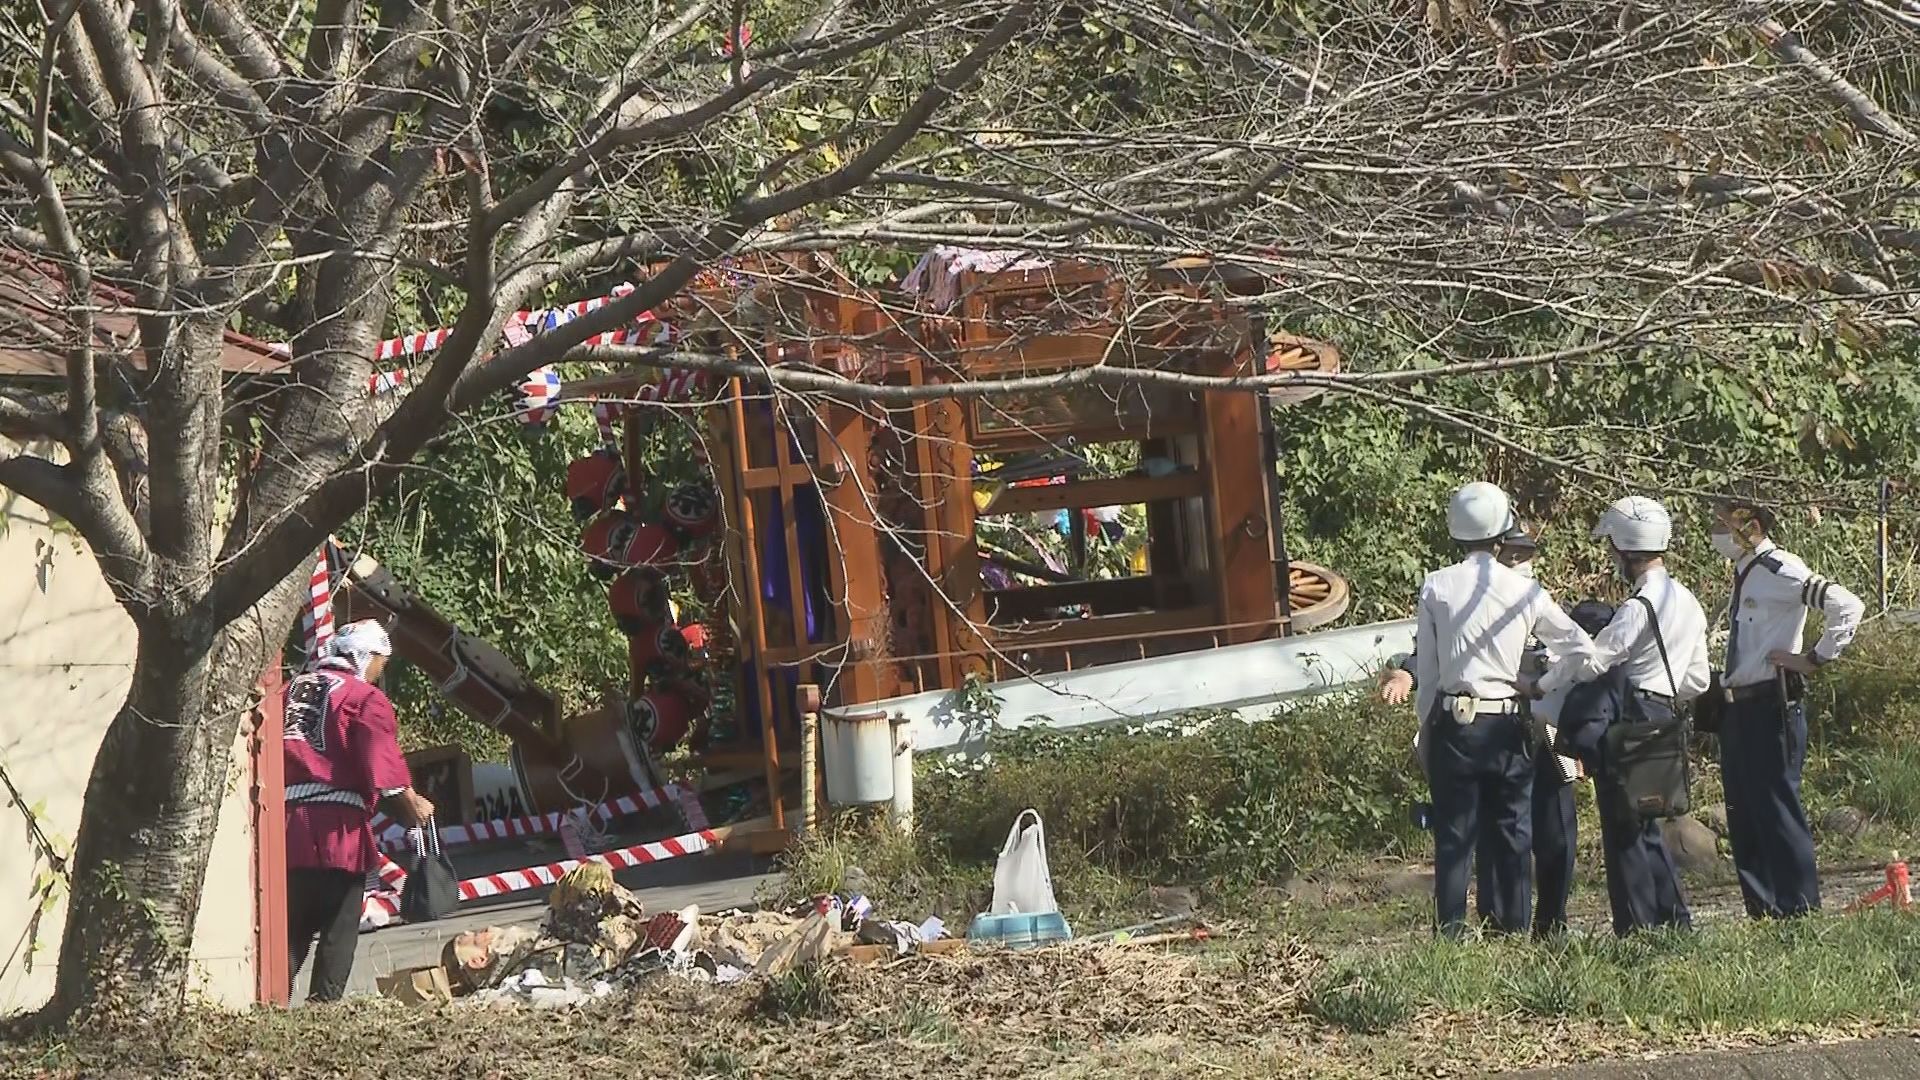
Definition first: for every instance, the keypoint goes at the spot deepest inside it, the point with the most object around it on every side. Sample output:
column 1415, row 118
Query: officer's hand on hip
column 1794, row 662
column 1395, row 686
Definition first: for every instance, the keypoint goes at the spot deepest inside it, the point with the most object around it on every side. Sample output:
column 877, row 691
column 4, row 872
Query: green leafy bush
column 1231, row 803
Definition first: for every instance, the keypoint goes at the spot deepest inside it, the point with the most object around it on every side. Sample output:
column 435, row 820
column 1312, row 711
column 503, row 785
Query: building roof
column 34, row 326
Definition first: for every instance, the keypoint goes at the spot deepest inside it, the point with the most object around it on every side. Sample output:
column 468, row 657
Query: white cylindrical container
column 857, row 752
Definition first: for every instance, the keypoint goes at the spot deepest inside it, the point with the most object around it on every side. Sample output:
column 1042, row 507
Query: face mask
column 1726, row 545
column 1524, row 569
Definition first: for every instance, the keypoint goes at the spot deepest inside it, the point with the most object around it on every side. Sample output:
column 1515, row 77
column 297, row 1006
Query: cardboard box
column 417, row 986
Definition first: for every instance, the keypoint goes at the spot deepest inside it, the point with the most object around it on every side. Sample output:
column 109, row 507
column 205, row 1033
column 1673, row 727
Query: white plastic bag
column 1021, row 881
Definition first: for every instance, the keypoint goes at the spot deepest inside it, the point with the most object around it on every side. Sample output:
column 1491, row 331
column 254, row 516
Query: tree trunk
column 152, row 806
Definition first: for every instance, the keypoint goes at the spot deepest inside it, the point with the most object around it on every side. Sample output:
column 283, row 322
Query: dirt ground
column 1237, row 1007
column 1234, row 1010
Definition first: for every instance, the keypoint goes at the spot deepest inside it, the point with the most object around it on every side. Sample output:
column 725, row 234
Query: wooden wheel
column 1317, row 596
column 1288, row 353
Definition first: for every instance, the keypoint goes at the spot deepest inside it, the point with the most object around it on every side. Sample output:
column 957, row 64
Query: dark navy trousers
column 1763, row 747
column 1556, row 833
column 1481, row 773
column 1643, row 885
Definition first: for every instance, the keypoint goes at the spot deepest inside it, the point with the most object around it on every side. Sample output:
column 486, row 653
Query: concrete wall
column 66, row 657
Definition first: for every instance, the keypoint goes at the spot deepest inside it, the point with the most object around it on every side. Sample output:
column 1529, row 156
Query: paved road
column 1868, row 1059
column 715, row 882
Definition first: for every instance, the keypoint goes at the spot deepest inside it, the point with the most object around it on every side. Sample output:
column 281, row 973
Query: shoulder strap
column 1659, row 642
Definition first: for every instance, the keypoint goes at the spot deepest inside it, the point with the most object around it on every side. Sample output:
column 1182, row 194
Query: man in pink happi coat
column 342, row 759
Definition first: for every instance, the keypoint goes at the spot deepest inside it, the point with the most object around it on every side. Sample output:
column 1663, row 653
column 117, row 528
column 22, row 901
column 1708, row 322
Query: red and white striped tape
column 316, row 619
column 534, row 321
column 690, row 808
column 391, row 875
column 675, row 385
column 412, row 344
column 393, row 836
column 533, row 877
column 381, row 906
column 378, row 907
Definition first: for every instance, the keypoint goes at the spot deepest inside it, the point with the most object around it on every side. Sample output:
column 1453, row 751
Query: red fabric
column 361, row 754
column 695, row 634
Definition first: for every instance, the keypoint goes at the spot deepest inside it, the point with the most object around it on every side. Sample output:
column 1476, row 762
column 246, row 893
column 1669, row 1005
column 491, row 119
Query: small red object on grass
column 1898, row 889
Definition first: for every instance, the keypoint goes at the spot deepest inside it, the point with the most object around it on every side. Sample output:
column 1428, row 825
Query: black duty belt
column 1754, row 691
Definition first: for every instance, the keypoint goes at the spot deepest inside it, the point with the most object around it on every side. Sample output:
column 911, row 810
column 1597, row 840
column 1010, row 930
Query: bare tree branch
column 1870, row 116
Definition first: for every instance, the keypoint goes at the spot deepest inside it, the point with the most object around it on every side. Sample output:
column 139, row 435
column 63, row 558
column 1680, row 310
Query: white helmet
column 1637, row 524
column 1479, row 511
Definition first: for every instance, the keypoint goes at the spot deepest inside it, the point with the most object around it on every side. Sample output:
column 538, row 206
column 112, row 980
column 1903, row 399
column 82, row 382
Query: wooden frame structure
column 850, row 529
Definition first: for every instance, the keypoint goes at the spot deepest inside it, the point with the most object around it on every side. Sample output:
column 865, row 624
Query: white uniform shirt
column 1473, row 623
column 1772, row 611
column 1627, row 639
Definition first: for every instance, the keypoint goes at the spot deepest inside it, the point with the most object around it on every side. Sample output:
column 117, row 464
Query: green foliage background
column 1815, row 413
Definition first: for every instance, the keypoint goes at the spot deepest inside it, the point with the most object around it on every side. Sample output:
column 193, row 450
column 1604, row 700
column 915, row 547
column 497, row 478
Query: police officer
column 1763, row 727
column 1556, row 830
column 1658, row 639
column 1473, row 622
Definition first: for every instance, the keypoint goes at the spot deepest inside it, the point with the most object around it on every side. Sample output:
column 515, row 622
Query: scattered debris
column 806, row 944
column 479, row 958
column 417, row 986
column 597, row 939
column 533, row 988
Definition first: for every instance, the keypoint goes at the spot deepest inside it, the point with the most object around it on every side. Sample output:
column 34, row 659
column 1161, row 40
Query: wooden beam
column 1238, row 511
column 924, row 487
column 855, row 566
column 964, row 608
column 755, row 609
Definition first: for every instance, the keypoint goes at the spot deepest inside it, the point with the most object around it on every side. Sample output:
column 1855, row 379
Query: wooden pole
column 273, row 981
column 755, row 608
column 809, row 696
column 1882, row 540
column 900, row 814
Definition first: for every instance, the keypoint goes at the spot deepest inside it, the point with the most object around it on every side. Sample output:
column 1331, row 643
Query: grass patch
column 1881, row 781
column 1359, row 1003
column 807, row 993
column 1830, row 970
